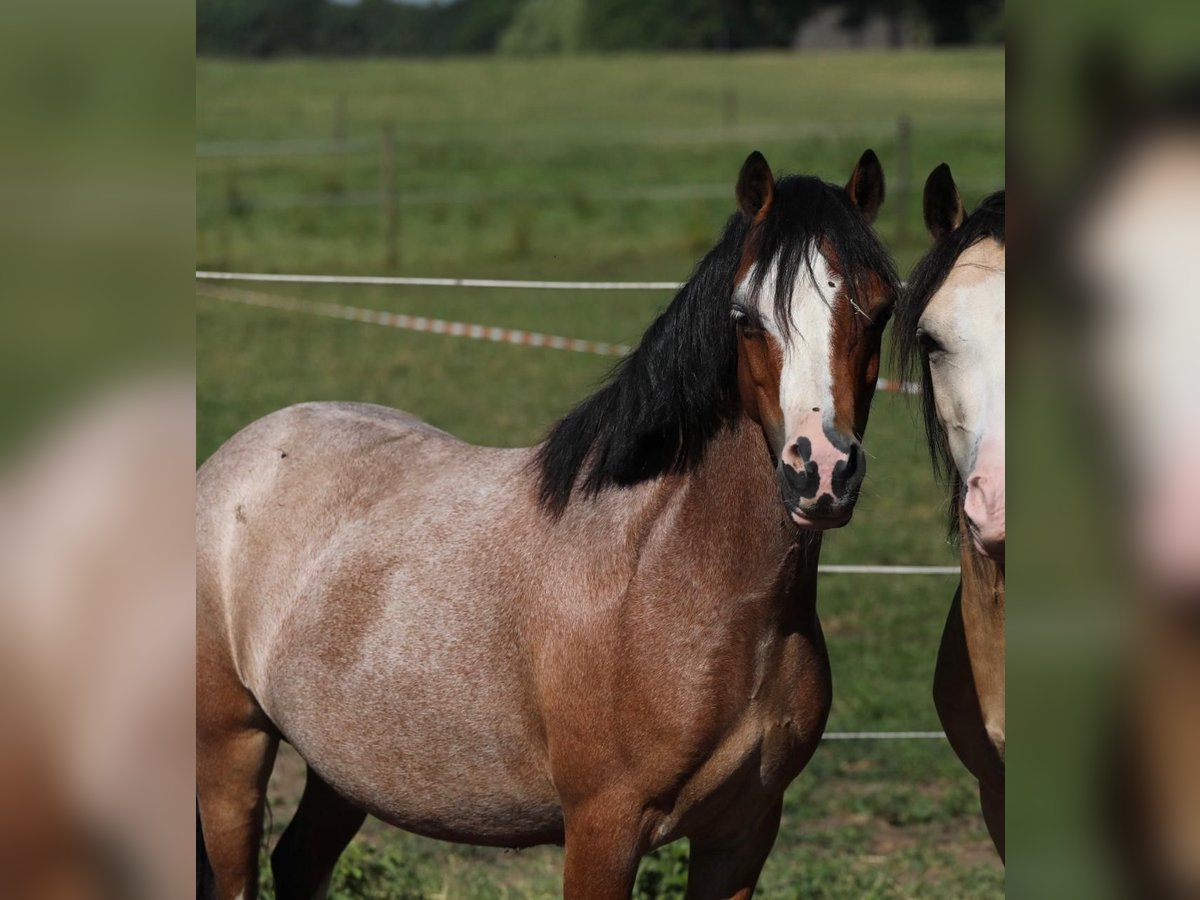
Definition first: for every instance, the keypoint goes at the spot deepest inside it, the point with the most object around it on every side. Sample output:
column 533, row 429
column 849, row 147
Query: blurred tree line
column 387, row 27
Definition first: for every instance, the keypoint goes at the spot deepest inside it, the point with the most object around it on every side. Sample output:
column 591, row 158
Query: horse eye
column 749, row 327
column 747, row 322
column 929, row 344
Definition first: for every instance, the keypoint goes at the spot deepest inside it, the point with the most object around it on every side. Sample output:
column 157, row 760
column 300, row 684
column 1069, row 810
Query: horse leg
column 232, row 770
column 306, row 854
column 954, row 695
column 603, row 849
column 235, row 751
column 725, row 870
column 991, row 800
column 957, row 705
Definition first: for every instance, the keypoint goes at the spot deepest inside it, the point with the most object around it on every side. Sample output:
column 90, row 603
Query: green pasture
column 608, row 169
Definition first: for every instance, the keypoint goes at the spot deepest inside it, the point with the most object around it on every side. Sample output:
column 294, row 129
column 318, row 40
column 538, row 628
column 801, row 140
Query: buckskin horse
column 950, row 328
column 609, row 640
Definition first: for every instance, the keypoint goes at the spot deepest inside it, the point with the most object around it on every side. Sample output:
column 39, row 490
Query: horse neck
column 728, row 515
column 720, row 526
column 983, row 622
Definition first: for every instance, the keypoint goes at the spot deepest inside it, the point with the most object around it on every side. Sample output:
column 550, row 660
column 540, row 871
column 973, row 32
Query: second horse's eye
column 929, row 344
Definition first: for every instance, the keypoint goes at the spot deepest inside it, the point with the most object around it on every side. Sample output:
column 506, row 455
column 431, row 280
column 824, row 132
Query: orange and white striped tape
column 424, row 324
column 496, row 334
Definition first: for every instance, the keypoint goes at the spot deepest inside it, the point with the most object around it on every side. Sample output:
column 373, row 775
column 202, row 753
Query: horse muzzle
column 820, row 485
column 984, row 508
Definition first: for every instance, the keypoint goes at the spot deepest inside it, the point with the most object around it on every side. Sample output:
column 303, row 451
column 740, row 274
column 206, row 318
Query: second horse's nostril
column 803, row 448
column 852, row 461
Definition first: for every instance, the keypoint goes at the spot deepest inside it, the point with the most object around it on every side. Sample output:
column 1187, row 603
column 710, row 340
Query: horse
column 950, row 329
column 608, row 641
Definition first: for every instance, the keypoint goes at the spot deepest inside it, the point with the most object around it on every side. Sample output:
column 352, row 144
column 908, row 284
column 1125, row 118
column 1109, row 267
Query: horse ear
column 755, row 186
column 865, row 186
column 943, row 207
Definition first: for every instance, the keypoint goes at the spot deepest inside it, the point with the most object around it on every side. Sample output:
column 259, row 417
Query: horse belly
column 511, row 822
column 423, row 724
column 448, row 797
column 451, row 779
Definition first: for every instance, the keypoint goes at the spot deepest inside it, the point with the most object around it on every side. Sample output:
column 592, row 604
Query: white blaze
column 806, row 381
column 966, row 318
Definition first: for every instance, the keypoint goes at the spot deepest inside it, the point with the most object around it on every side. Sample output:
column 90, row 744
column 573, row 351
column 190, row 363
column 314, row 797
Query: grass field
column 613, row 169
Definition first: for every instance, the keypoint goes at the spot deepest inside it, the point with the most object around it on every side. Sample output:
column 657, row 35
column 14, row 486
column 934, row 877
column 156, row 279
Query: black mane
column 665, row 401
column 987, row 221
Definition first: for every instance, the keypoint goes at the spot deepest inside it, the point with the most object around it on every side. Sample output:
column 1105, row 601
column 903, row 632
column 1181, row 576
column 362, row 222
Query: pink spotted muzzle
column 984, row 508
column 820, row 475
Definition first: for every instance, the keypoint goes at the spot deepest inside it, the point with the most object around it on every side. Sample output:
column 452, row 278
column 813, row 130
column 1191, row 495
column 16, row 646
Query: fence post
column 339, row 122
column 391, row 212
column 904, row 171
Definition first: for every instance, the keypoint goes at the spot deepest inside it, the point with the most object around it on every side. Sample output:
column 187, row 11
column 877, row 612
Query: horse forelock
column 811, row 218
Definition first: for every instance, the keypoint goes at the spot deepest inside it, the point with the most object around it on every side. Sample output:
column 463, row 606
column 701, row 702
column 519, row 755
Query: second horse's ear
column 942, row 206
column 755, row 187
column 865, row 186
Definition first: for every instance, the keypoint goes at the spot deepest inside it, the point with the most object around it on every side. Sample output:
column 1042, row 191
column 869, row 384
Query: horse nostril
column 798, row 483
column 852, row 461
column 847, row 474
column 803, row 449
column 793, row 477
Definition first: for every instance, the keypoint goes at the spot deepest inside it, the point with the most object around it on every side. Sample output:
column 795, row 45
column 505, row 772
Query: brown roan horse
column 609, row 640
column 950, row 326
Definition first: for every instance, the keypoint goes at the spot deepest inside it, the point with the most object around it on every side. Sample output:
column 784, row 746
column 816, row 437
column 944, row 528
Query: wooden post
column 391, row 211
column 339, row 122
column 339, row 137
column 904, row 175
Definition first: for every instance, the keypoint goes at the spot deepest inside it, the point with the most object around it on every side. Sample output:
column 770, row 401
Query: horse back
column 319, row 489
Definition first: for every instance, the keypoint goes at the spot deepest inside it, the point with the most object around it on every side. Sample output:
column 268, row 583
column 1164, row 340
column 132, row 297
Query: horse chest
column 764, row 743
column 788, row 716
